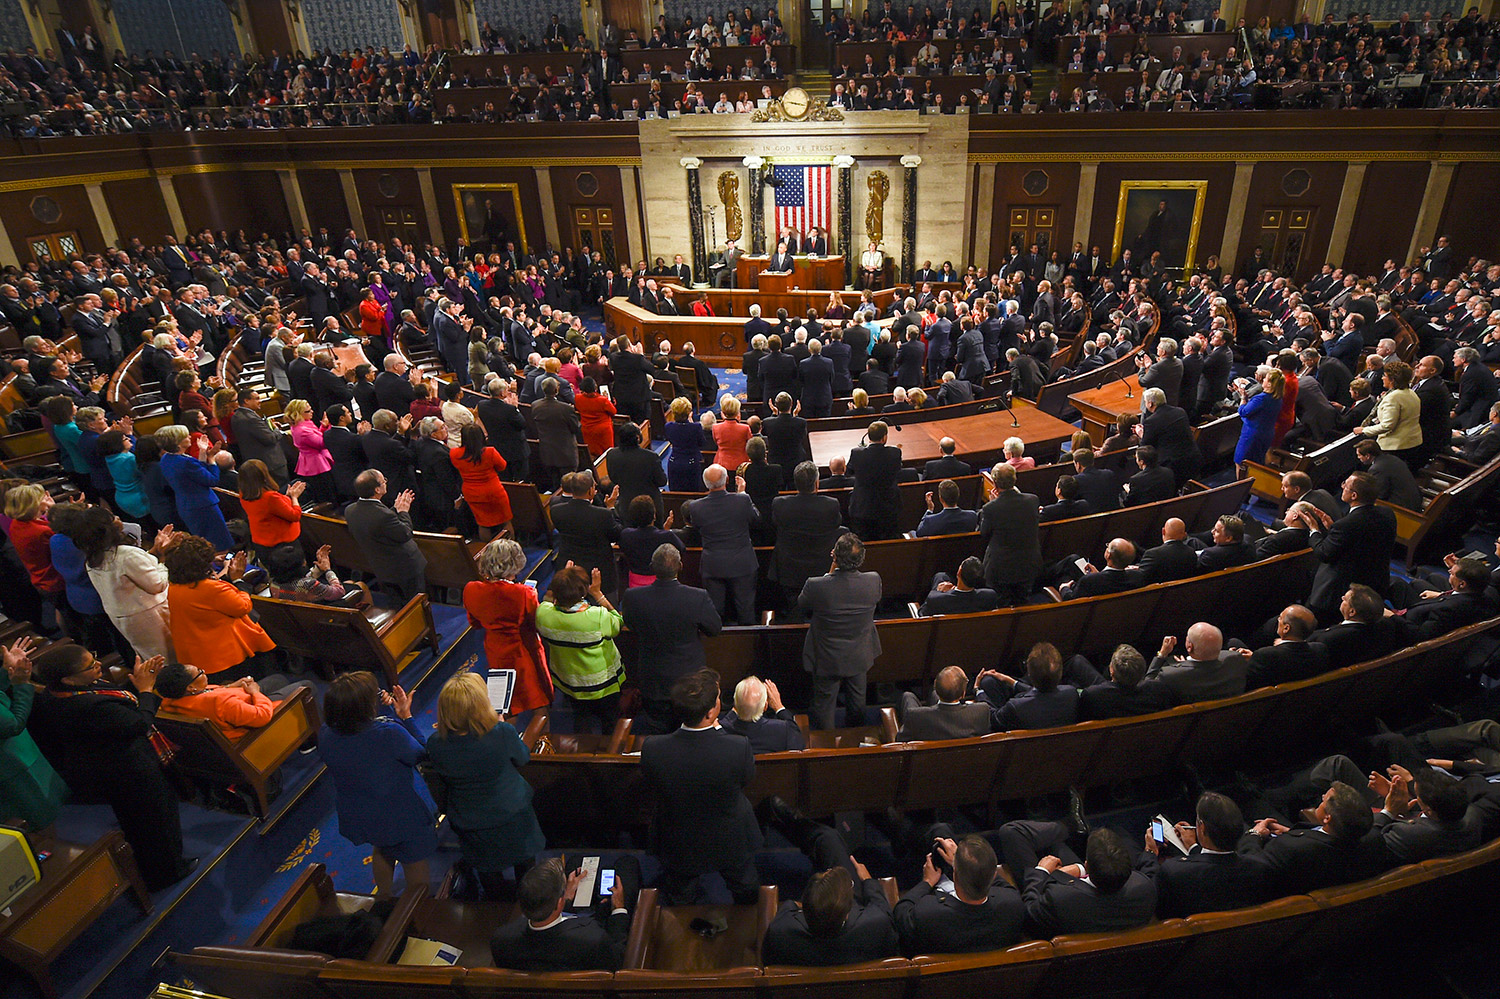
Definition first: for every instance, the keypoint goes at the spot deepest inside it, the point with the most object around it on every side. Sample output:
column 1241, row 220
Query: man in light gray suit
column 728, row 567
column 950, row 718
column 1209, row 672
column 842, row 642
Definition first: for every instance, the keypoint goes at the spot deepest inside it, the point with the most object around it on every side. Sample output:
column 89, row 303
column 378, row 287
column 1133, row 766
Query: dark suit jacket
column 1106, row 580
column 1477, row 392
column 1168, row 561
column 348, row 456
column 1058, row 903
column 1394, row 481
column 940, row 721
column 1110, row 700
column 393, row 392
column 1355, row 549
column 1205, row 882
column 1411, row 841
column 723, row 521
column 1191, row 680
column 1350, row 642
column 946, row 467
column 299, row 372
column 876, row 469
column 667, row 618
column 935, row 922
column 557, row 430
column 1101, row 487
column 786, row 440
column 1027, row 707
column 576, row 944
column 257, row 439
column 1165, row 375
column 874, row 382
column 1008, row 527
column 1067, row 509
column 1301, row 860
column 840, row 606
column 1288, row 539
column 816, row 375
column 703, row 820
column 392, row 457
column 806, row 528
column 1437, row 403
column 506, row 429
column 585, row 533
column 1226, row 556
column 776, row 733
column 778, row 373
column 386, row 539
column 1150, row 485
column 1439, row 615
column 1286, row 663
column 1168, row 429
column 869, row 933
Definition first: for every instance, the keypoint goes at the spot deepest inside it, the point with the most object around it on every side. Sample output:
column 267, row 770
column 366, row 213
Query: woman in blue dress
column 378, row 794
column 685, row 464
column 1258, row 417
column 192, row 481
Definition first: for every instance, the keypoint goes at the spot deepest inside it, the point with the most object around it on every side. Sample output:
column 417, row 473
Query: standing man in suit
column 668, row 619
column 807, row 525
column 1356, row 548
column 1477, row 389
column 394, row 387
column 1165, row 374
column 257, row 438
column 506, row 429
column 1008, row 526
column 558, row 430
column 776, row 732
column 703, row 820
column 452, row 333
column 1437, row 407
column 875, row 503
column 1213, row 383
column 842, row 642
column 728, row 568
column 384, row 534
column 781, row 261
column 731, row 256
column 315, row 290
column 585, row 530
column 786, row 437
column 816, row 374
column 1212, row 877
column 947, row 715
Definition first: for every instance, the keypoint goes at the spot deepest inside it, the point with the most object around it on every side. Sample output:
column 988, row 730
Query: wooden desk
column 78, row 884
column 1106, row 404
column 981, row 438
column 825, row 273
column 718, row 340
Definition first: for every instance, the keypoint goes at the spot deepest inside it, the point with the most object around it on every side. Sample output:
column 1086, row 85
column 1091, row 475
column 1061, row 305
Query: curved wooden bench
column 1053, row 398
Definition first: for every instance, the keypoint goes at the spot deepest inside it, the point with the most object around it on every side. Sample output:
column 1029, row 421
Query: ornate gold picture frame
column 1143, row 226
column 469, row 200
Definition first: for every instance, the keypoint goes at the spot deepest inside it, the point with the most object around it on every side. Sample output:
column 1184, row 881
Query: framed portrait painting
column 1160, row 216
column 490, row 214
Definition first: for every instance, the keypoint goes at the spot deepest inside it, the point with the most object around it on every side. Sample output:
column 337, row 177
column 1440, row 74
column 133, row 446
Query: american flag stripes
column 804, row 198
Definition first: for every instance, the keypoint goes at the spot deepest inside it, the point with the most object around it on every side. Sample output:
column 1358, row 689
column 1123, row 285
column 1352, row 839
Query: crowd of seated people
column 1433, row 62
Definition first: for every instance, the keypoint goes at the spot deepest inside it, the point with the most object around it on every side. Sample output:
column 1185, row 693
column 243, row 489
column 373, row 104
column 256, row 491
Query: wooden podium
column 810, row 273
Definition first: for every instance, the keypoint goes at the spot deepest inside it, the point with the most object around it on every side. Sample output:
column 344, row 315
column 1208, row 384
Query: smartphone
column 606, row 883
column 1158, row 831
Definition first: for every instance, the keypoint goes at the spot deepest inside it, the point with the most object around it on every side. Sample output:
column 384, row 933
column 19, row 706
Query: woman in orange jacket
column 211, row 624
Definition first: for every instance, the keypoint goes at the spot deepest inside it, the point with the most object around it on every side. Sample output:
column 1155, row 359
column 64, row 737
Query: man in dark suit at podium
column 781, row 260
column 703, row 820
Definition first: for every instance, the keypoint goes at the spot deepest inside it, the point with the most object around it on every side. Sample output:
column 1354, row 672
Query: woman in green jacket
column 579, row 626
column 29, row 788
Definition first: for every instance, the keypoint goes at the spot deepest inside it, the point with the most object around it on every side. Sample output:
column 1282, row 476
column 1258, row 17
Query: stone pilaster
column 845, row 245
column 909, row 218
column 754, row 166
column 695, row 213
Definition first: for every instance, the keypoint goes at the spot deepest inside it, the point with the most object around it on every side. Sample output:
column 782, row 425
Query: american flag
column 804, row 198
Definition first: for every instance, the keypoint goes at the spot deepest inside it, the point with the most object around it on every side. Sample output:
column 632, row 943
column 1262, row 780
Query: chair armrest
column 888, row 724
column 914, row 608
column 766, row 905
column 1054, row 593
column 619, row 737
column 642, row 925
column 535, row 728
column 394, row 932
column 892, row 894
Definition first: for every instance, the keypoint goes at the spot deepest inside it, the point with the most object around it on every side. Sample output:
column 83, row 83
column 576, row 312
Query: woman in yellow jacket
column 1396, row 422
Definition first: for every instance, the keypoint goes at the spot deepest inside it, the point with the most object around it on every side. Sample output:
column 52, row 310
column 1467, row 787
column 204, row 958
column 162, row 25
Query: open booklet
column 502, row 685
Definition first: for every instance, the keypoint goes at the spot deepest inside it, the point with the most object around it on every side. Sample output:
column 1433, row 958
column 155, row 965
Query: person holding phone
column 544, row 939
column 1212, row 877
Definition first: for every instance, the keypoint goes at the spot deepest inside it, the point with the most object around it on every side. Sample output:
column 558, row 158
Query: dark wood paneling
column 1471, row 219
column 566, row 197
column 1267, row 190
column 405, row 193
column 323, row 197
column 243, row 199
column 138, row 209
column 1386, row 214
column 525, row 181
column 77, row 216
column 1062, row 191
column 268, row 25
column 1220, row 177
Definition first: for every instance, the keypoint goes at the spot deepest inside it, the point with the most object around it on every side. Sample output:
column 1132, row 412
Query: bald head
column 1174, row 529
column 1296, row 623
column 715, row 477
column 950, row 684
column 1204, row 642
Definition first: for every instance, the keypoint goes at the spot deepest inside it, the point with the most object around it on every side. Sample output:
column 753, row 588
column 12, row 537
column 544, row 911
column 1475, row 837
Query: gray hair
column 1466, row 354
column 755, row 312
column 304, row 350
column 758, row 342
column 391, row 360
column 501, row 558
column 750, row 699
column 666, row 561
column 171, row 437
column 428, row 425
column 1154, row 397
column 384, row 420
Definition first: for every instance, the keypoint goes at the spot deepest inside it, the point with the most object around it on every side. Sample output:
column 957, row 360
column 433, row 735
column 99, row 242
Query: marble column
column 845, row 245
column 754, row 165
column 695, row 213
column 909, row 218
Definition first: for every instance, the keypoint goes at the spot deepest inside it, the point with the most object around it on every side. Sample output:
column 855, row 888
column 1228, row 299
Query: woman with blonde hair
column 859, row 404
column 314, row 462
column 730, row 435
column 1396, row 423
column 688, row 439
column 476, row 757
column 506, row 610
column 917, row 398
column 1258, row 415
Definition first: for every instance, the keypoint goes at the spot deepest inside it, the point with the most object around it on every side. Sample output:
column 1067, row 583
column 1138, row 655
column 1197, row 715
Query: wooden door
column 626, row 15
column 56, row 246
column 1276, row 10
column 401, row 223
column 1032, row 224
column 1283, row 237
column 440, row 23
column 594, row 229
